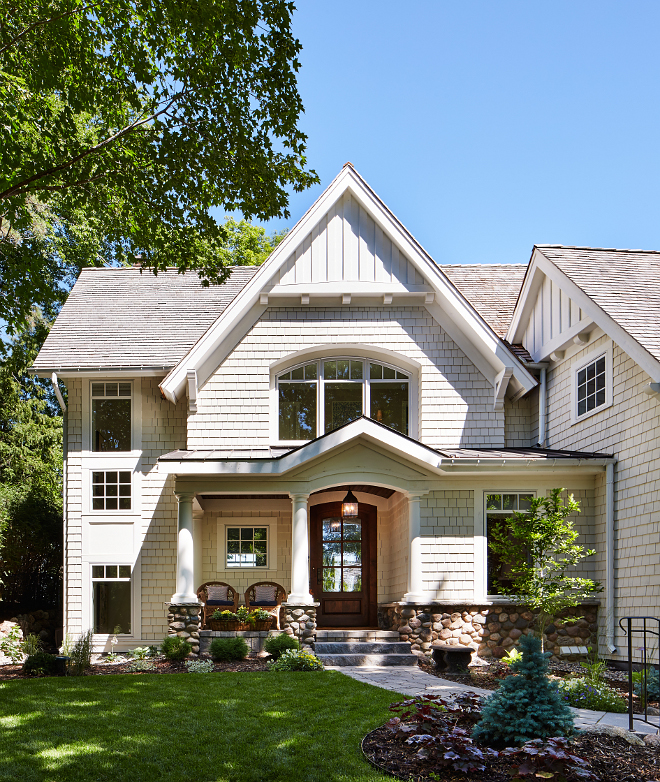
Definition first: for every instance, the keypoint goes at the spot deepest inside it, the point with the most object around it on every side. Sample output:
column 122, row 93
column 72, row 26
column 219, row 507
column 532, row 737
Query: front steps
column 363, row 648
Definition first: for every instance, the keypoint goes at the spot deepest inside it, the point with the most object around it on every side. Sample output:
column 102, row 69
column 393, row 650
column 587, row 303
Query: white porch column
column 300, row 552
column 198, row 518
column 185, row 560
column 415, row 593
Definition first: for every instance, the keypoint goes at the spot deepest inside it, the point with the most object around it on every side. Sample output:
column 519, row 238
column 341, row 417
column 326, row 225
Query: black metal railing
column 637, row 625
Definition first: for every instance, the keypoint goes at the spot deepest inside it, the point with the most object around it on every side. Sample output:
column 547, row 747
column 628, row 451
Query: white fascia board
column 101, row 372
column 356, row 288
column 466, row 320
column 616, row 332
column 526, row 300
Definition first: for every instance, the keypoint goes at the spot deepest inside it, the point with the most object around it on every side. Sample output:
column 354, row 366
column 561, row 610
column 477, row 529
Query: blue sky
column 487, row 127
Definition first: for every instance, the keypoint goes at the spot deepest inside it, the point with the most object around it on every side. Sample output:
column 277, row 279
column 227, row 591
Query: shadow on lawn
column 224, row 727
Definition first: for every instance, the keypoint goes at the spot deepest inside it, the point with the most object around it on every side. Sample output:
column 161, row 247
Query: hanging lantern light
column 349, row 507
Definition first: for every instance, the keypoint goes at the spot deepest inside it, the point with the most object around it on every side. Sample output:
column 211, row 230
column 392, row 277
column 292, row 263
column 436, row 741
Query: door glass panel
column 352, row 581
column 332, row 579
column 352, row 554
column 332, row 553
column 331, row 529
column 353, row 529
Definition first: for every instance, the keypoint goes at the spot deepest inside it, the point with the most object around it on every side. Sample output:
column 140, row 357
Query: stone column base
column 183, row 620
column 300, row 622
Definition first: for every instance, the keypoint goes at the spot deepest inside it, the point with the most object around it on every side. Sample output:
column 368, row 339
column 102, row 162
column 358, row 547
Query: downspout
column 65, row 455
column 609, row 558
column 543, row 401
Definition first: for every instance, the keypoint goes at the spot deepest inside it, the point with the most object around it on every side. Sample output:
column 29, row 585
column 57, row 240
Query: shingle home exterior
column 211, row 434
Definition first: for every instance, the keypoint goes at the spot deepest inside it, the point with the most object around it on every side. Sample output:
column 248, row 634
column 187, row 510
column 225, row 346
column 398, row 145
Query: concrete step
column 357, row 635
column 368, row 659
column 362, row 647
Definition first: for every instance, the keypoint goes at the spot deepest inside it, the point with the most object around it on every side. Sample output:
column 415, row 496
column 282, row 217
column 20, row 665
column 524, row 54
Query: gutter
column 609, row 558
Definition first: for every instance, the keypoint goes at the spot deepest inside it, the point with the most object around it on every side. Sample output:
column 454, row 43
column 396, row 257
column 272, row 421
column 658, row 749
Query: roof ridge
column 605, row 249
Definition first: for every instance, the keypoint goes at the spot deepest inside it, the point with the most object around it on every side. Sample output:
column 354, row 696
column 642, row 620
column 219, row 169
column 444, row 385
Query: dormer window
column 320, row 396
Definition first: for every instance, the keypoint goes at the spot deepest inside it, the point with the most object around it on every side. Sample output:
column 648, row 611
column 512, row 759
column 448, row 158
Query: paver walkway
column 415, row 681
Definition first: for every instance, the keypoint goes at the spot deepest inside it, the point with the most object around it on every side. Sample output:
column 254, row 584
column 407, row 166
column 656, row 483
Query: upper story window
column 111, row 416
column 591, row 386
column 111, row 490
column 321, row 396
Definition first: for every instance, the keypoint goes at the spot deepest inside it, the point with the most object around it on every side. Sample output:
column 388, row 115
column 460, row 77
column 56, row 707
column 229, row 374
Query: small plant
column 40, row 664
column 81, row 655
column 114, row 657
column 175, row 648
column 243, row 614
column 31, row 644
column 594, row 665
column 296, row 660
column 140, row 652
column 428, row 722
column 140, row 666
column 224, row 616
column 277, row 644
column 550, row 759
column 652, row 684
column 200, row 666
column 526, row 706
column 512, row 656
column 583, row 693
column 259, row 615
column 227, row 650
column 12, row 645
column 67, row 645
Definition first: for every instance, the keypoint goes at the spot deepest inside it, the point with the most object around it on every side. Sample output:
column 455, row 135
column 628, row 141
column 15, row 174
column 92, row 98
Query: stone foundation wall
column 253, row 638
column 489, row 630
column 300, row 622
column 184, row 621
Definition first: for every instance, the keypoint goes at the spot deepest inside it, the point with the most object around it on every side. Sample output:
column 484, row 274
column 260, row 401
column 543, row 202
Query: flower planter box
column 266, row 624
column 221, row 625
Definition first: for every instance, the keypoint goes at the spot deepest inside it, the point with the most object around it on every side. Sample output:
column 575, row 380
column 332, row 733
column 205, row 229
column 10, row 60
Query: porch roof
column 277, row 461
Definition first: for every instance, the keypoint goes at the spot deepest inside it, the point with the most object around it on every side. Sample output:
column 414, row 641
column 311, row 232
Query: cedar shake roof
column 124, row 318
column 625, row 284
column 492, row 289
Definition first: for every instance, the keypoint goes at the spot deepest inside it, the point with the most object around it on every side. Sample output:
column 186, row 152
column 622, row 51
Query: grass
column 219, row 727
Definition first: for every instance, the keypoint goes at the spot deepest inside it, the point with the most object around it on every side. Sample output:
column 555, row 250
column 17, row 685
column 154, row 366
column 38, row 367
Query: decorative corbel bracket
column 501, row 385
column 192, row 390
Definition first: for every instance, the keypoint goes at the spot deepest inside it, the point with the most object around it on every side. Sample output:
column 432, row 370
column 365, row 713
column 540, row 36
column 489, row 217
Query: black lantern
column 349, row 507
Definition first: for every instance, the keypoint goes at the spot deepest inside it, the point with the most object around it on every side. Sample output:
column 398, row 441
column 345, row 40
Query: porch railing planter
column 184, row 620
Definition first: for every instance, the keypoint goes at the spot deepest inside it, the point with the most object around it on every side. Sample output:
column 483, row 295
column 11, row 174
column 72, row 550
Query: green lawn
column 219, row 727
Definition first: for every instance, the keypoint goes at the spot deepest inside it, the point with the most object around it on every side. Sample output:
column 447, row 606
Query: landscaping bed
column 611, row 758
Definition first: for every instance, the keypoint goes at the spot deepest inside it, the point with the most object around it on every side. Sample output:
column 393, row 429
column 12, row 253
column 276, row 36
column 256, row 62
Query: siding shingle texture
column 623, row 283
column 126, row 319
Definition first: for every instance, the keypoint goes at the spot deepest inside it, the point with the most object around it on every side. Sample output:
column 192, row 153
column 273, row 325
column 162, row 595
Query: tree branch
column 22, row 187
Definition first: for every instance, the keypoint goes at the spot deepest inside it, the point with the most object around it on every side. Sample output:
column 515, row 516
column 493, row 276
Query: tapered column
column 415, row 593
column 185, row 560
column 300, row 552
column 198, row 520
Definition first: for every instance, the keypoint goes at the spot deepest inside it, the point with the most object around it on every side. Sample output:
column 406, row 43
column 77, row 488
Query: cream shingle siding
column 392, row 552
column 73, row 555
column 629, row 429
column 456, row 401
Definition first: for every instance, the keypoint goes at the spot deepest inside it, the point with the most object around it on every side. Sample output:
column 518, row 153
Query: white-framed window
column 111, row 490
column 111, row 416
column 316, row 397
column 248, row 543
column 111, row 599
column 592, row 383
column 499, row 506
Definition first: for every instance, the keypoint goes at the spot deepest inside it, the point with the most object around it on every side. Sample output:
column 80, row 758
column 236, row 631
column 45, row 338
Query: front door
column 343, row 565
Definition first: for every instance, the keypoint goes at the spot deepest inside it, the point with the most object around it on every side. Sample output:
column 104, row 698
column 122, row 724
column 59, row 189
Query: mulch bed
column 160, row 666
column 611, row 758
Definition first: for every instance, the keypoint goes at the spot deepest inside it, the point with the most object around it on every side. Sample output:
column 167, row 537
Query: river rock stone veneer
column 184, row 621
column 300, row 622
column 489, row 630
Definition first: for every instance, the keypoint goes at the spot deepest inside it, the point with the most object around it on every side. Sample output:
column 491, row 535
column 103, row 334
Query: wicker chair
column 280, row 597
column 202, row 596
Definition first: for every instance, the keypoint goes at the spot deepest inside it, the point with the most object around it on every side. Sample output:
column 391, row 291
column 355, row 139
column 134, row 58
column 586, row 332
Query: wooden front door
column 343, row 565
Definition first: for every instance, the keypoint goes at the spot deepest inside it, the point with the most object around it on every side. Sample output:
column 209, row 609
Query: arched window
column 319, row 396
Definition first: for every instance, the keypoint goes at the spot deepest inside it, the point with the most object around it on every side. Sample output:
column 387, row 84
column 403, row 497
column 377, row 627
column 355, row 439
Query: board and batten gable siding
column 163, row 430
column 455, row 400
column 554, row 317
column 347, row 245
column 629, row 429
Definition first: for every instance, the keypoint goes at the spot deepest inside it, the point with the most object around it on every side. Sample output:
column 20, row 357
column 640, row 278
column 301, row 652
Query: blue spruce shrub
column 526, row 706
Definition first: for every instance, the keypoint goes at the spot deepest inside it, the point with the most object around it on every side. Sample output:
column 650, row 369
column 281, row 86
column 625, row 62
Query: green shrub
column 140, row 666
column 296, row 660
column 225, row 650
column 200, row 666
column 81, row 654
column 652, row 684
column 175, row 648
column 584, row 693
column 40, row 663
column 277, row 644
column 527, row 705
